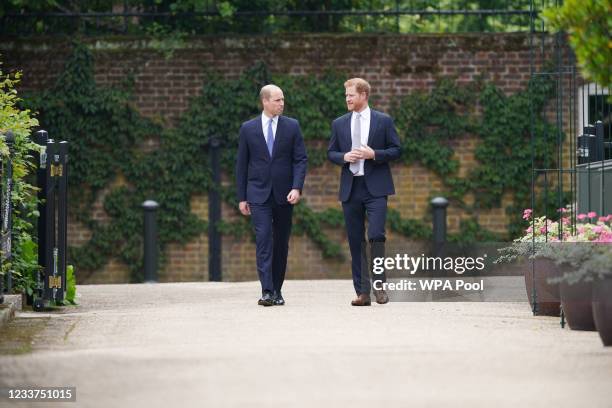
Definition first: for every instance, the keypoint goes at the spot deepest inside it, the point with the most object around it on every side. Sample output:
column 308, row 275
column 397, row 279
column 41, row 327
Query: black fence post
column 62, row 217
column 214, row 214
column 41, row 138
column 54, row 230
column 439, row 205
column 150, row 240
column 50, row 281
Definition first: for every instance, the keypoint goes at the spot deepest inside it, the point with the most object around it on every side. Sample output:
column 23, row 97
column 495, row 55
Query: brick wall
column 395, row 65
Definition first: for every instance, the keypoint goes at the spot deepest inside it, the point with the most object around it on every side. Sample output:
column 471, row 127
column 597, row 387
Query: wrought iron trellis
column 398, row 16
column 583, row 136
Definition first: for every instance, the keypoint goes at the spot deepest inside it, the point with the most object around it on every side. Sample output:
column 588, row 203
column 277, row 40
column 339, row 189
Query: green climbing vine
column 429, row 124
column 107, row 134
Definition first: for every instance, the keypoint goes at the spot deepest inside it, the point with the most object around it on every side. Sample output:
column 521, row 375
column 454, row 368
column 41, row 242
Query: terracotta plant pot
column 547, row 295
column 576, row 301
column 602, row 309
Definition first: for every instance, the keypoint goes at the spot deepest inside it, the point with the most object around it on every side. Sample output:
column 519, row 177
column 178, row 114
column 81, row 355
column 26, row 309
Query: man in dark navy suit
column 270, row 172
column 363, row 142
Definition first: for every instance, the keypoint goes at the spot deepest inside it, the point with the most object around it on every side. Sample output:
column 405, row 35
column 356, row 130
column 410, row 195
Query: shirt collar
column 266, row 119
column 365, row 114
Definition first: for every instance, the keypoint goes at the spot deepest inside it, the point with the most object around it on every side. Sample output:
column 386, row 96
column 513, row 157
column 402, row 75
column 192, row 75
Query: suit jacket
column 257, row 173
column 382, row 139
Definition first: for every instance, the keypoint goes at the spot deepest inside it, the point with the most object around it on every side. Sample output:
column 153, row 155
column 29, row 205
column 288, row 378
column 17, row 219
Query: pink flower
column 543, row 229
column 528, row 230
column 581, row 216
column 565, row 220
column 592, row 214
column 527, row 213
column 602, row 219
column 605, row 237
column 562, row 210
column 609, row 217
column 597, row 229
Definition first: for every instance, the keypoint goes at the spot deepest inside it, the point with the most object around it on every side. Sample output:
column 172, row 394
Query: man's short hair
column 266, row 91
column 361, row 85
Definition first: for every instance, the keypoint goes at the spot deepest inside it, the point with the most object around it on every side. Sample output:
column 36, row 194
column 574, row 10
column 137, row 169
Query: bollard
column 439, row 205
column 214, row 214
column 150, row 240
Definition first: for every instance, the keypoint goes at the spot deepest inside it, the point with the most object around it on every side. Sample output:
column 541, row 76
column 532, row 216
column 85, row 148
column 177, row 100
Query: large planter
column 547, row 294
column 576, row 301
column 602, row 309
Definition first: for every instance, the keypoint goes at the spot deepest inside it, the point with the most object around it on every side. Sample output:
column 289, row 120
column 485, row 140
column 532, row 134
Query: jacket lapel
column 347, row 130
column 373, row 125
column 261, row 136
column 280, row 127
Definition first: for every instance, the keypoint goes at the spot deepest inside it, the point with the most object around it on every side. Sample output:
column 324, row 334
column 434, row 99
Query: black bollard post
column 150, row 240
column 439, row 205
column 214, row 214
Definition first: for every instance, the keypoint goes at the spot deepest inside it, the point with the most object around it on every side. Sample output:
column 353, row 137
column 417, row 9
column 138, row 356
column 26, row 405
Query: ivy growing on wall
column 106, row 135
column 431, row 122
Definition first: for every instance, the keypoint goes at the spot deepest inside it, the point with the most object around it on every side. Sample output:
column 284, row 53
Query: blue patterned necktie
column 270, row 139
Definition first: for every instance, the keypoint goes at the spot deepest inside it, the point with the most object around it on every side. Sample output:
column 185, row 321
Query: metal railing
column 395, row 20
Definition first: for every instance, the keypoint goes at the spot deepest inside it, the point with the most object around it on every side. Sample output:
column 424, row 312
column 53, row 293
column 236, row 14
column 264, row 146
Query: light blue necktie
column 356, row 143
column 270, row 140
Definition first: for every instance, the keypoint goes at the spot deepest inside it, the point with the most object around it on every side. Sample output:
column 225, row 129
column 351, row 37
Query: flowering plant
column 585, row 247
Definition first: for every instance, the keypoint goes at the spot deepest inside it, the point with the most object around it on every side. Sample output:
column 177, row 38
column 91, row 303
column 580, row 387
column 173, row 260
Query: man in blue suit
column 270, row 172
column 363, row 142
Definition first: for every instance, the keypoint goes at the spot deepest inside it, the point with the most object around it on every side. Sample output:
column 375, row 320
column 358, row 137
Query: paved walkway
column 210, row 345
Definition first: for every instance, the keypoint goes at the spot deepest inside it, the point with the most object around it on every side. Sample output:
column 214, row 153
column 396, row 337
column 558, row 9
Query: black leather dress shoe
column 266, row 299
column 278, row 298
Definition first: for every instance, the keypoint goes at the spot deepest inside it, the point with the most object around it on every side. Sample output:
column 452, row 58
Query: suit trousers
column 359, row 205
column 272, row 224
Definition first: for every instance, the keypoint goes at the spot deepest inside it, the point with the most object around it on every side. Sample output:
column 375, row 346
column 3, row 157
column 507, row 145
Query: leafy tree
column 588, row 23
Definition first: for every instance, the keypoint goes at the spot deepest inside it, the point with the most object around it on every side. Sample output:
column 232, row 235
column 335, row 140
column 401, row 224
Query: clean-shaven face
column 355, row 101
column 274, row 105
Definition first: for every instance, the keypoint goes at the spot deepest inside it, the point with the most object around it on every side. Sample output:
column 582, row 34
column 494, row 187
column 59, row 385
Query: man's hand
column 244, row 208
column 294, row 196
column 352, row 156
column 365, row 152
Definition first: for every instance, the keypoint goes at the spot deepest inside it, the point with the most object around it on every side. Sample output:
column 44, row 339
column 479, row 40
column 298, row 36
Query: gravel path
column 209, row 345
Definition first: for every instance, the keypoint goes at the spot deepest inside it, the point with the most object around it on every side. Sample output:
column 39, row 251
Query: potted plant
column 585, row 260
column 543, row 294
column 602, row 296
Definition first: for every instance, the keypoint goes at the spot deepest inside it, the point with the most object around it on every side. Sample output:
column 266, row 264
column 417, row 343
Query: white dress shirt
column 264, row 125
column 365, row 133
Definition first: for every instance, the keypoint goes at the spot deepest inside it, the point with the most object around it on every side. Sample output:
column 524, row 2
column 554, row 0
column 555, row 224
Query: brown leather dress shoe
column 381, row 296
column 362, row 300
